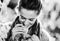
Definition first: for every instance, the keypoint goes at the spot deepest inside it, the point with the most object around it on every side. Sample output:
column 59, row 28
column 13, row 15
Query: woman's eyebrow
column 22, row 16
column 26, row 18
column 31, row 18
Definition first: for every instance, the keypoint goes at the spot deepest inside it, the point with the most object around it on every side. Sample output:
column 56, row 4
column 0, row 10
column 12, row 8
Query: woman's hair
column 12, row 5
column 30, row 4
column 2, row 1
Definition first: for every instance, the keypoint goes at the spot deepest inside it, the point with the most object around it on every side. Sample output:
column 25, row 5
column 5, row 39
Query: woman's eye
column 23, row 17
column 31, row 19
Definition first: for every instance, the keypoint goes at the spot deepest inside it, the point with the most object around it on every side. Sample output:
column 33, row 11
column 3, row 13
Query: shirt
column 34, row 29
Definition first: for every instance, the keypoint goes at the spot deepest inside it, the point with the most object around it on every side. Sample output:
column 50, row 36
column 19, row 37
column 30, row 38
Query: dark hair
column 12, row 5
column 2, row 1
column 30, row 5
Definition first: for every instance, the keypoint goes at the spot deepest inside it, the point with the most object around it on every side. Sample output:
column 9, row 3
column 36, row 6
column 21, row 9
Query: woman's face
column 28, row 17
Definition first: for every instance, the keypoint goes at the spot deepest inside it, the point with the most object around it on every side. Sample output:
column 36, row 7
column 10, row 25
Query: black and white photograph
column 29, row 20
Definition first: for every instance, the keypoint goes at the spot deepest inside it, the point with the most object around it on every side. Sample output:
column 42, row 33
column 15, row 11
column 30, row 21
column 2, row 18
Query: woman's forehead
column 29, row 16
column 28, row 13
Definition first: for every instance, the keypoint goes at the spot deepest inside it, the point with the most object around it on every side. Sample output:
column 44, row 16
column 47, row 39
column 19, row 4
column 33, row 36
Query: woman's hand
column 19, row 29
column 33, row 38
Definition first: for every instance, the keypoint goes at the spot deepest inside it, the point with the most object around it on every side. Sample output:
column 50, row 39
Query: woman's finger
column 19, row 25
column 20, row 29
column 35, row 38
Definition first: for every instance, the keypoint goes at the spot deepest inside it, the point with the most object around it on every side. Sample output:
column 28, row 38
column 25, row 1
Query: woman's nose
column 26, row 22
column 22, row 20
